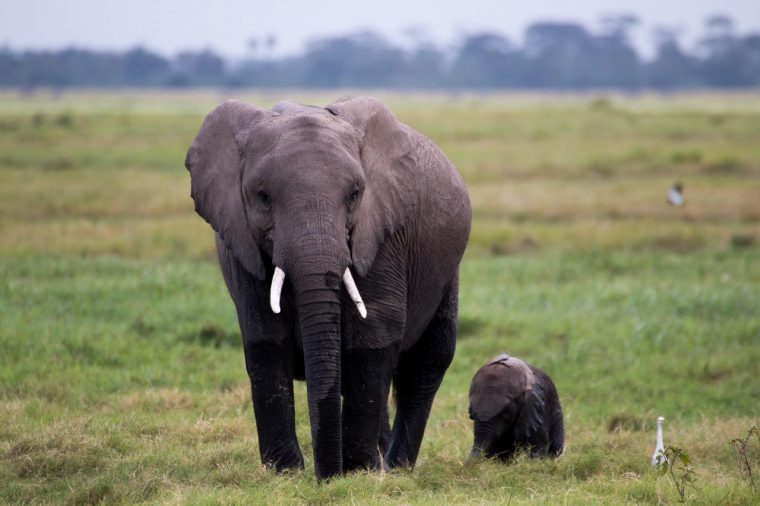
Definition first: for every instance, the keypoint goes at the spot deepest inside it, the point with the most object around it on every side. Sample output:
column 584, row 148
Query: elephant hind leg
column 418, row 376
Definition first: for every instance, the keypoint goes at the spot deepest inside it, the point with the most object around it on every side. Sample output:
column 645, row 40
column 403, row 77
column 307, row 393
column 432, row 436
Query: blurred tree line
column 563, row 56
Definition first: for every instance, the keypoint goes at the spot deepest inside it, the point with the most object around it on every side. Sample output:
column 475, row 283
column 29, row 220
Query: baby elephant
column 515, row 405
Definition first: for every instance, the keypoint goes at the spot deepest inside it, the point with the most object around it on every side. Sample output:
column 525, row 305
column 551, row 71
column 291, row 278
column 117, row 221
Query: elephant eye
column 353, row 196
column 264, row 198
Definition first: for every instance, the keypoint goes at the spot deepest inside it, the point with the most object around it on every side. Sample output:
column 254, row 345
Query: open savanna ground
column 121, row 370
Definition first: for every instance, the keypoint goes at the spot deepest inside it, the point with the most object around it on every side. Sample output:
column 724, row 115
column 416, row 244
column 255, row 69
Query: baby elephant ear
column 388, row 157
column 214, row 161
column 531, row 415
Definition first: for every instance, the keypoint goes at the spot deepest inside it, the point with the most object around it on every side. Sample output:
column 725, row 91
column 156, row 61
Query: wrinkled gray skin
column 314, row 191
column 514, row 405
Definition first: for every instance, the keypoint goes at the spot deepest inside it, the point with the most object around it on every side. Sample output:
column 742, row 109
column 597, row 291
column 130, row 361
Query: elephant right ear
column 214, row 161
column 531, row 415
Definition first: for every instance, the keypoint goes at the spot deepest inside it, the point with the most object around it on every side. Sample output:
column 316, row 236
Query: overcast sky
column 227, row 25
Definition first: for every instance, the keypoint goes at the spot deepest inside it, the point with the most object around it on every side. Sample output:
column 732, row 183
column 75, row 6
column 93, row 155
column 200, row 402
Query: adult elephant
column 299, row 197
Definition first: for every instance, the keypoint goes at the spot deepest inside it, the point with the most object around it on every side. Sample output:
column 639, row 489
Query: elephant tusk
column 274, row 294
column 353, row 292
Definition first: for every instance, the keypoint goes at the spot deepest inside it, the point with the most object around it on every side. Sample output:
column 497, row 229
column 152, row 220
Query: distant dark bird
column 514, row 405
column 675, row 195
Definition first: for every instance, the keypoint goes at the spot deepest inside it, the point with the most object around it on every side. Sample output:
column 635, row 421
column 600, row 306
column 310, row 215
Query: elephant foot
column 287, row 463
column 397, row 457
column 368, row 461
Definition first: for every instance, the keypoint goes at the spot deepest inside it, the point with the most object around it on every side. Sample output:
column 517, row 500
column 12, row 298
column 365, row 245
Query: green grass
column 121, row 373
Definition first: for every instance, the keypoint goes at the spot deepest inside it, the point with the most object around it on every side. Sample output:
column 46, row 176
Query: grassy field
column 121, row 372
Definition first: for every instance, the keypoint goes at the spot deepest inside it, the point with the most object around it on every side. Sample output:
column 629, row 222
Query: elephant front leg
column 269, row 355
column 365, row 407
column 273, row 407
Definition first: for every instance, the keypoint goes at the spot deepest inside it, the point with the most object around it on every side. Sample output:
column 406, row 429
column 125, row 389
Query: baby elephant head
column 513, row 405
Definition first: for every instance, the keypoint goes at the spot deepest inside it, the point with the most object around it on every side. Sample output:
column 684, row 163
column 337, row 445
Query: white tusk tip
column 276, row 290
column 353, row 292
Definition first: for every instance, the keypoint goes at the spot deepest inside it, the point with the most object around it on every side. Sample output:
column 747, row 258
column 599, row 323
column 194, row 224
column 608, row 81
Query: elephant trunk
column 318, row 302
column 314, row 267
column 484, row 437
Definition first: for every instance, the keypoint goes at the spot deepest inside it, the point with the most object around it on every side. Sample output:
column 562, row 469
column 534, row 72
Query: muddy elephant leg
column 272, row 389
column 365, row 406
column 418, row 376
column 269, row 357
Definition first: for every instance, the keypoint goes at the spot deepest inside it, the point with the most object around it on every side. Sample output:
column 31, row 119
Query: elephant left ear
column 531, row 415
column 388, row 157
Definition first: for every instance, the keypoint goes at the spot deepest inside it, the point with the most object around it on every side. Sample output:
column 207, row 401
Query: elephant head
column 506, row 406
column 304, row 195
